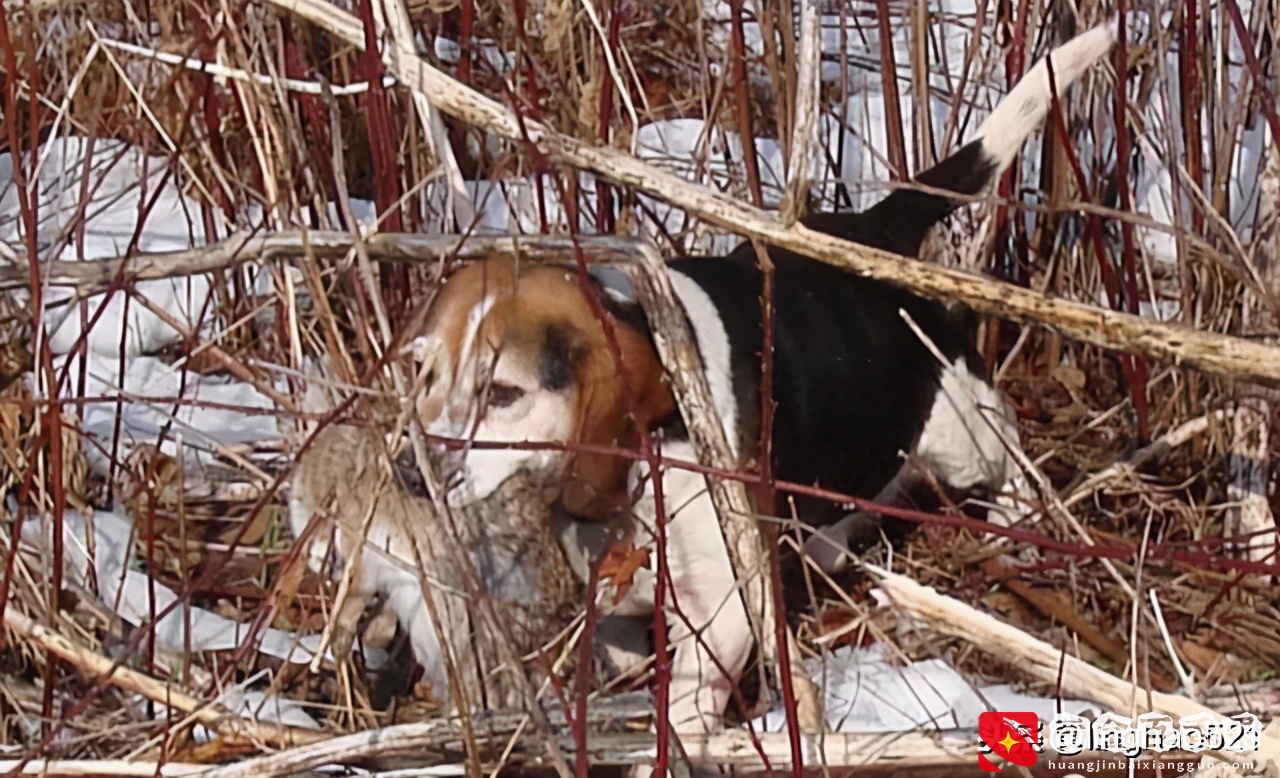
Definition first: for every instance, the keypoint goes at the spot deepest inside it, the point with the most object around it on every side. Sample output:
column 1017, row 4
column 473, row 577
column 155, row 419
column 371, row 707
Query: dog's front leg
column 706, row 618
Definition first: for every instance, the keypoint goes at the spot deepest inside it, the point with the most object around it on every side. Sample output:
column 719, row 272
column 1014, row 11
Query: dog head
column 516, row 354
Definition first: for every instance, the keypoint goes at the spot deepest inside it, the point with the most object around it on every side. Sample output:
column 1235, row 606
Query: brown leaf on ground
column 423, row 703
column 1072, row 378
column 151, row 479
column 619, row 567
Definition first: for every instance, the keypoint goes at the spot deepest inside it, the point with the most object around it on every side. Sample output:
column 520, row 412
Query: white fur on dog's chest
column 965, row 438
column 689, row 526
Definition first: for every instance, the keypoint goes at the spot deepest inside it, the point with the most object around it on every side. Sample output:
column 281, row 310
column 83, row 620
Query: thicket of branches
column 269, row 120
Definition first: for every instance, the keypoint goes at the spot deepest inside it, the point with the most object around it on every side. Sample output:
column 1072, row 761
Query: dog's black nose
column 409, row 474
column 444, row 463
column 447, row 462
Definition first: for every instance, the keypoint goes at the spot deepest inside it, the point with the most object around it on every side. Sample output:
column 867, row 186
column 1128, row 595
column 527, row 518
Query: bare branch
column 436, row 741
column 804, row 133
column 1210, row 352
column 95, row 665
column 1072, row 676
column 1218, row 354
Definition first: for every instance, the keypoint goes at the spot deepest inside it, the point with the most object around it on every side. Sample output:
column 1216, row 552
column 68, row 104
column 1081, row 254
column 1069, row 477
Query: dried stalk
column 804, row 133
column 1209, row 352
column 1158, row 448
column 101, row 767
column 1072, row 676
column 435, row 742
column 95, row 665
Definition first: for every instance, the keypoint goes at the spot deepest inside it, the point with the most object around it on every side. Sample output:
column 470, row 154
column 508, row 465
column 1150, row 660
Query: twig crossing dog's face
column 515, row 354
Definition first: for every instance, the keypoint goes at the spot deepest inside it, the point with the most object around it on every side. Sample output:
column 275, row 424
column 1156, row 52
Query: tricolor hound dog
column 515, row 353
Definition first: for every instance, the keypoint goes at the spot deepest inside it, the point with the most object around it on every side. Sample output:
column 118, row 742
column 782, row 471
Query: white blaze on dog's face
column 516, row 355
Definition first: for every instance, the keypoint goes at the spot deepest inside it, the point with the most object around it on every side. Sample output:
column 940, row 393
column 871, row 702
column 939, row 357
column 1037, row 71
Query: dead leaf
column 1200, row 657
column 619, row 566
column 151, row 479
column 1072, row 378
column 253, row 534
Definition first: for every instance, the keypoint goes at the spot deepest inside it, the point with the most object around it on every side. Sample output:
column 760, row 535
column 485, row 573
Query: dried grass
column 597, row 73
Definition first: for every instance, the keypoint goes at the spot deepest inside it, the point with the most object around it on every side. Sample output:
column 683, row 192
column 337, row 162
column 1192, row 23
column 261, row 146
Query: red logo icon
column 1012, row 738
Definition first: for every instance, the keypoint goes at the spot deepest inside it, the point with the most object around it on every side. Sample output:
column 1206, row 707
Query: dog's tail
column 901, row 221
column 1021, row 111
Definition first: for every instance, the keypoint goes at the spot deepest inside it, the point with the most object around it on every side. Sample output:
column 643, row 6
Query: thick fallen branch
column 1210, row 352
column 1075, row 678
column 101, row 767
column 437, row 742
column 95, row 665
column 423, row 745
column 1213, row 353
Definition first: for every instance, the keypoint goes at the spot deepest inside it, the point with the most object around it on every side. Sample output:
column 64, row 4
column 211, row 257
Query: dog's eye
column 504, row 395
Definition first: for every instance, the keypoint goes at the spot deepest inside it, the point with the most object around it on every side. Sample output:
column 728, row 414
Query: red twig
column 50, row 427
column 765, row 493
column 742, row 94
column 1247, row 45
column 212, row 108
column 604, row 193
column 1190, row 80
column 1136, row 371
column 897, row 151
column 582, row 682
column 315, row 121
column 381, row 130
column 767, row 498
column 662, row 662
column 1110, row 283
column 27, row 204
column 785, row 680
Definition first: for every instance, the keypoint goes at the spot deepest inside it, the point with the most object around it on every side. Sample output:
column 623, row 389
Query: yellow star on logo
column 1008, row 741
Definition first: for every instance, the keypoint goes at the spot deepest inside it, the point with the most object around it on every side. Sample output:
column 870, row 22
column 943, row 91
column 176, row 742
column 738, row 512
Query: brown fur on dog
column 550, row 331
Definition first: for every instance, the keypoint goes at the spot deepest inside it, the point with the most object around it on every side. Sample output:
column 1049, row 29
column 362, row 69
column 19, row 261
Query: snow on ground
column 159, row 404
column 865, row 692
column 120, row 180
column 100, row 550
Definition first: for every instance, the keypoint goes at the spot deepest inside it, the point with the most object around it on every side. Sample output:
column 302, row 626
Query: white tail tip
column 1025, row 107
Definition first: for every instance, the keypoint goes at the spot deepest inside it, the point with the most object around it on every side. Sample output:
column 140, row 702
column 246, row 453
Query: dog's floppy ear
column 610, row 412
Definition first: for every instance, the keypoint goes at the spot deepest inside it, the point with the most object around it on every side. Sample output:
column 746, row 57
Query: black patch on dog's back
column 853, row 385
column 902, row 220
